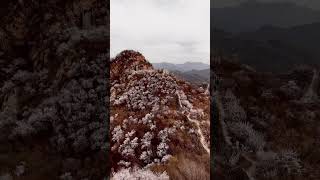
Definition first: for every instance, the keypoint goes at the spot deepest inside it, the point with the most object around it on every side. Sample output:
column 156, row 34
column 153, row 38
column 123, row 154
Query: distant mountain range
column 251, row 15
column 272, row 48
column 193, row 72
column 197, row 77
column 188, row 66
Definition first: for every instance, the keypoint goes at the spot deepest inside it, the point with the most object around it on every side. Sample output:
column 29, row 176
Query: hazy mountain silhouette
column 197, row 77
column 187, row 66
column 304, row 37
column 251, row 15
column 271, row 48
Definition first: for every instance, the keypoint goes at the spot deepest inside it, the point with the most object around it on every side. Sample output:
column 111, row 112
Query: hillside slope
column 53, row 78
column 157, row 121
column 267, row 123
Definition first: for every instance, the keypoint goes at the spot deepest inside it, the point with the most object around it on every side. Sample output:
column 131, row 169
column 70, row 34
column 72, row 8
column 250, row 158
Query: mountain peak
column 128, row 60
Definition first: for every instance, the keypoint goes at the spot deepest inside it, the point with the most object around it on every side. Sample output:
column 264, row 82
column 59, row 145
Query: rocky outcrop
column 128, row 60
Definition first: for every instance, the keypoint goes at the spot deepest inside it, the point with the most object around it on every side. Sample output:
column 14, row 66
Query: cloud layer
column 163, row 30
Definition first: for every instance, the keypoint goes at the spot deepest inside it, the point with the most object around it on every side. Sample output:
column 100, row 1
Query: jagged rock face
column 150, row 115
column 128, row 60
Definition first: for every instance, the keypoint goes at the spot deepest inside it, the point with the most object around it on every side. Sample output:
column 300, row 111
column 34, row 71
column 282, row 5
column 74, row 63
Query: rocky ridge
column 157, row 121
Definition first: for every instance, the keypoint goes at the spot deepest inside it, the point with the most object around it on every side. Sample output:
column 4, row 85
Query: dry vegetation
column 149, row 125
column 268, row 123
column 53, row 81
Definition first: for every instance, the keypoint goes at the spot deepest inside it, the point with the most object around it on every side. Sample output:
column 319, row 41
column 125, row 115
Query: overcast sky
column 315, row 4
column 163, row 30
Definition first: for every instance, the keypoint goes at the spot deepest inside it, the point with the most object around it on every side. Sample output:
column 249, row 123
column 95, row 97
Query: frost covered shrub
column 146, row 156
column 128, row 146
column 166, row 158
column 66, row 176
column 74, row 109
column 22, row 129
column 138, row 174
column 142, row 93
column 146, row 140
column 183, row 100
column 267, row 94
column 291, row 89
column 244, row 130
column 124, row 163
column 233, row 109
column 284, row 163
column 162, row 149
column 117, row 134
column 289, row 162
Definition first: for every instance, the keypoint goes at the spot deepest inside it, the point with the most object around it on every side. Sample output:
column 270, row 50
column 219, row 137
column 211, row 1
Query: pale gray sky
column 162, row 30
